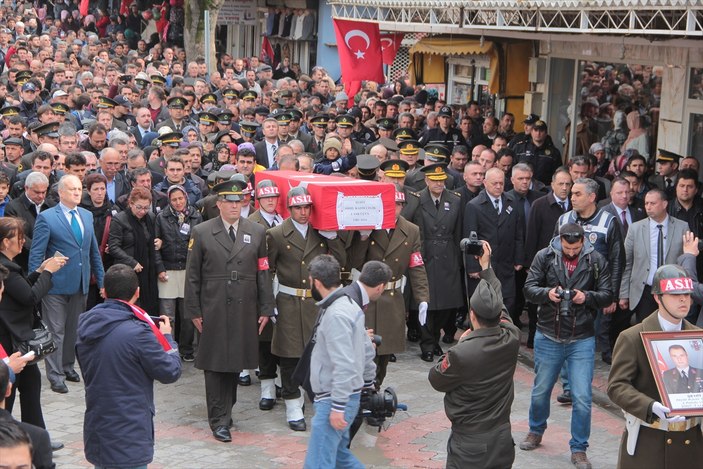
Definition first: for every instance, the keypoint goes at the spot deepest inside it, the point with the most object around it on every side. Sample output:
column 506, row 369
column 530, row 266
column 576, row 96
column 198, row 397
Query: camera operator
column 570, row 281
column 477, row 377
column 341, row 363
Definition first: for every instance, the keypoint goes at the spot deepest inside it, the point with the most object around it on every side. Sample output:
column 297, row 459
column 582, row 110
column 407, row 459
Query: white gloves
column 422, row 313
column 274, row 317
column 660, row 411
column 328, row 234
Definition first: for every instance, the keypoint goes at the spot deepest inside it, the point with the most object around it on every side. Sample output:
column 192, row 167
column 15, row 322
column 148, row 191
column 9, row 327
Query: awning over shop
column 446, row 46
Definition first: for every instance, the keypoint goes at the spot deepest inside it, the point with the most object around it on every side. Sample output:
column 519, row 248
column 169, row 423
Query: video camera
column 376, row 406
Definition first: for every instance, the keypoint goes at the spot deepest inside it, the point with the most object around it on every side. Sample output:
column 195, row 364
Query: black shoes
column 56, row 445
column 297, row 425
column 72, row 376
column 188, row 357
column 564, row 398
column 437, row 350
column 222, row 434
column 448, row 339
column 607, row 357
column 413, row 335
column 427, row 356
column 392, row 358
column 244, row 380
column 60, row 388
column 266, row 404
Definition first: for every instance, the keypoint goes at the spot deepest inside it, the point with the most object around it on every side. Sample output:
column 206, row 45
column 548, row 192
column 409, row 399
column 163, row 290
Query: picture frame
column 676, row 361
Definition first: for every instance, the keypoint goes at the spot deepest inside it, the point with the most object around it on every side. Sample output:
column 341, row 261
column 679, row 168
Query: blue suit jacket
column 52, row 233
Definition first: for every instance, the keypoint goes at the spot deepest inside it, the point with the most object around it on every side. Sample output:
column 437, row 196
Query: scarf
column 143, row 316
column 181, row 216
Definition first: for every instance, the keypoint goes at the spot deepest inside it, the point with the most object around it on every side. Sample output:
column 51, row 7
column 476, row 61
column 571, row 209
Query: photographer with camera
column 570, row 281
column 477, row 377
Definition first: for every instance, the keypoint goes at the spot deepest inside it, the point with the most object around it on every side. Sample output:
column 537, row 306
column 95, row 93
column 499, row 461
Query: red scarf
column 142, row 315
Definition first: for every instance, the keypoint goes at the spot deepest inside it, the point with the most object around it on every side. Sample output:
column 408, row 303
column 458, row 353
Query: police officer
column 291, row 247
column 228, row 296
column 654, row 436
column 539, row 152
column 400, row 248
column 443, row 133
column 477, row 377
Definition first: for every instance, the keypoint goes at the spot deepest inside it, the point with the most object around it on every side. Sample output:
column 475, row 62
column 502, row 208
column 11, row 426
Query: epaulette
column 455, row 193
column 416, row 194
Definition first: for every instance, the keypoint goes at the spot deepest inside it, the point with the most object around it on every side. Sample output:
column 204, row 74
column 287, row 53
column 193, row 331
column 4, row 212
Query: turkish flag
column 359, row 47
column 390, row 43
column 267, row 56
column 660, row 362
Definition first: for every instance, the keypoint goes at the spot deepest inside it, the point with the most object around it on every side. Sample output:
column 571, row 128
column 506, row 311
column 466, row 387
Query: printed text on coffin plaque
column 359, row 210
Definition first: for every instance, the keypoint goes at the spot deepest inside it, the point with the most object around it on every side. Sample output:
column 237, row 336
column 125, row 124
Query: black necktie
column 232, row 234
column 563, row 206
column 668, row 183
column 436, row 204
column 660, row 246
column 495, row 202
column 623, row 215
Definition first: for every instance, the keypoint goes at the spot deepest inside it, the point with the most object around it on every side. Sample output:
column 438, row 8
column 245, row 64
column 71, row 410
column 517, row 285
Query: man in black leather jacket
column 570, row 281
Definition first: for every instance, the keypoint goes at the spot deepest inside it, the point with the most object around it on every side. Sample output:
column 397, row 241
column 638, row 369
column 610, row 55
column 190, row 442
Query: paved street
column 416, row 438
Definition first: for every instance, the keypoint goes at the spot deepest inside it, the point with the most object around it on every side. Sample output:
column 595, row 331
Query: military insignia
column 416, row 260
column 696, row 345
column 592, row 237
column 439, row 169
column 20, row 168
column 445, row 363
column 547, row 152
column 190, row 244
column 395, row 167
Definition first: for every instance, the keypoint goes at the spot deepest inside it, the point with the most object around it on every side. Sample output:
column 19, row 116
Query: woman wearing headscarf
column 638, row 138
column 173, row 227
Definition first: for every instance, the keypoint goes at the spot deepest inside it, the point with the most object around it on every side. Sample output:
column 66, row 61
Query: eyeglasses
column 141, row 208
column 571, row 237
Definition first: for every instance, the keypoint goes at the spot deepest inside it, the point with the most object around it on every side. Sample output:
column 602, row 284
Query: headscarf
column 635, row 126
column 180, row 215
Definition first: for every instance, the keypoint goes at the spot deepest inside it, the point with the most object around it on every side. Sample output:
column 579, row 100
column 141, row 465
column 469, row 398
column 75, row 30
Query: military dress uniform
column 289, row 256
column 442, row 222
column 631, row 386
column 268, row 362
column 227, row 285
column 400, row 249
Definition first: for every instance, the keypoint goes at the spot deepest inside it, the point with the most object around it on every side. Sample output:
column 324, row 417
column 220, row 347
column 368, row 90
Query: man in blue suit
column 66, row 229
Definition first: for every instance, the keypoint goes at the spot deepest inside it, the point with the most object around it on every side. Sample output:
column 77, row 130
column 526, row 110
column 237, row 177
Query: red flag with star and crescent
column 360, row 56
column 390, row 43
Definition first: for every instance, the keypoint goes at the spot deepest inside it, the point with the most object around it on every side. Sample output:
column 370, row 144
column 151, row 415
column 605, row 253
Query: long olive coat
column 386, row 316
column 225, row 282
column 289, row 256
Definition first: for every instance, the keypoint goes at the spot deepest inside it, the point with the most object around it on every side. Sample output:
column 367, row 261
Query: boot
column 268, row 394
column 294, row 414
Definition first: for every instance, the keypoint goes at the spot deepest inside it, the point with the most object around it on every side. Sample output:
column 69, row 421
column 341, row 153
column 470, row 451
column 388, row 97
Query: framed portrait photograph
column 676, row 360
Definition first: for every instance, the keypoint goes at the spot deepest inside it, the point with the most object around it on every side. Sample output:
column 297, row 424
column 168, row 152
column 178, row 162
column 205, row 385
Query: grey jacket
column 342, row 359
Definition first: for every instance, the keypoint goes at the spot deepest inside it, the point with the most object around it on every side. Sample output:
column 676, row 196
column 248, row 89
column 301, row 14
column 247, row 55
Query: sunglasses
column 571, row 237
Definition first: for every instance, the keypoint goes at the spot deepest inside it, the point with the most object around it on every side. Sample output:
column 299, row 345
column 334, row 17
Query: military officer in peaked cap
column 441, row 216
column 291, row 247
column 228, row 296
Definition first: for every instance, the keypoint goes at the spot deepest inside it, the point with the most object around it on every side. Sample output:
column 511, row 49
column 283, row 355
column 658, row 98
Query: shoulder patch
column 444, row 364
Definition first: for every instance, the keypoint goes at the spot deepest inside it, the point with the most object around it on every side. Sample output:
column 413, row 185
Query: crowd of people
column 121, row 151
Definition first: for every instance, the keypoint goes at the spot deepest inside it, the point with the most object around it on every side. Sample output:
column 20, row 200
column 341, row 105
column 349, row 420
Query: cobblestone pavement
column 416, row 438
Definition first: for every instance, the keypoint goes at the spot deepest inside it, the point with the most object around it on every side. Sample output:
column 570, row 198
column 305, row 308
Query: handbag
column 42, row 344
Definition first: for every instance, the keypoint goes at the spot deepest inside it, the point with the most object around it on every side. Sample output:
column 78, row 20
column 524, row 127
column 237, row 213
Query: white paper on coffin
column 361, row 210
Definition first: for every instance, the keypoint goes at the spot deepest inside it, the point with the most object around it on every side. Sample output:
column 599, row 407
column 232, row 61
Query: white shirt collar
column 364, row 296
column 302, row 229
column 668, row 326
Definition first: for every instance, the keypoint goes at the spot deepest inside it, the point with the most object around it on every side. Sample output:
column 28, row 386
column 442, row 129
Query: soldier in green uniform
column 653, row 436
column 228, row 297
column 267, row 194
column 291, row 247
column 400, row 249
